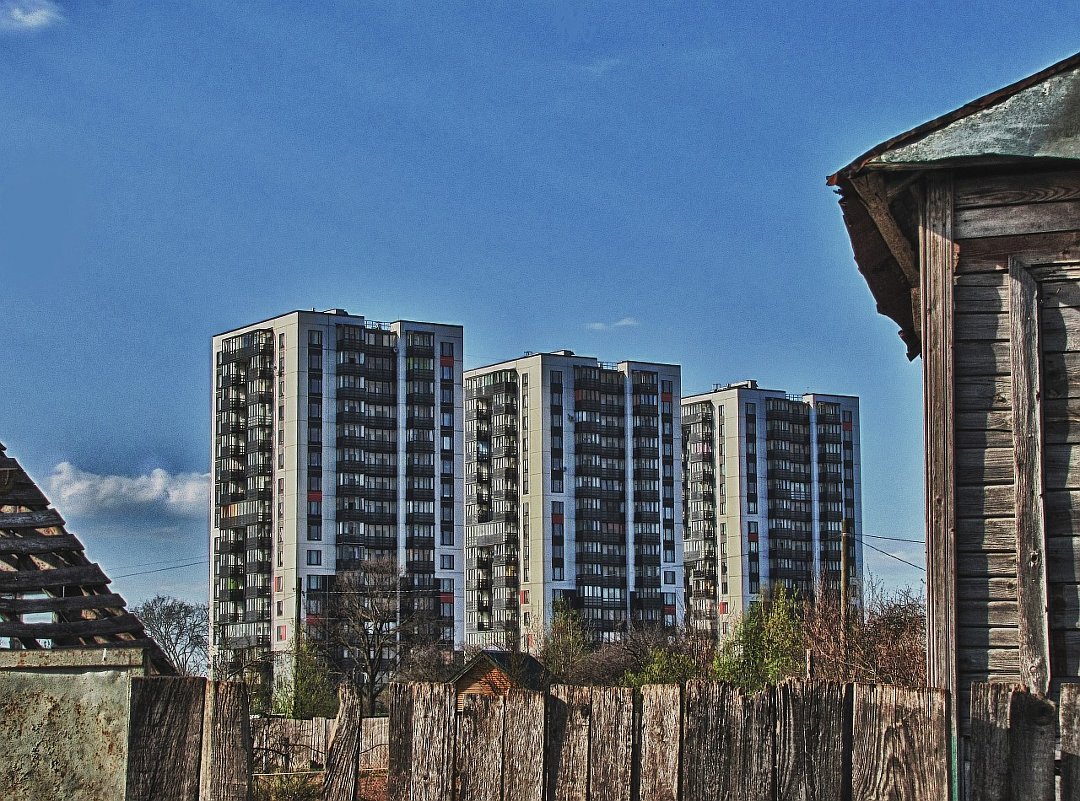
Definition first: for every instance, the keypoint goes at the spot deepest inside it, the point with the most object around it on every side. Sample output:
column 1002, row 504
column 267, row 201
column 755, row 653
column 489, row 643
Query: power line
column 894, row 539
column 897, row 558
column 163, row 569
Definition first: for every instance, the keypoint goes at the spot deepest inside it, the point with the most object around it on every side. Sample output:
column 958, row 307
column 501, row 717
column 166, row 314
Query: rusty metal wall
column 63, row 736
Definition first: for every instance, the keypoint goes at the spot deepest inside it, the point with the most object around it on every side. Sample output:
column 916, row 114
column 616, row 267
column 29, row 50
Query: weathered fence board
column 341, row 781
column 226, row 743
column 1032, row 735
column 480, row 756
column 1069, row 732
column 523, row 746
column 569, row 713
column 399, row 759
column 899, row 749
column 432, row 723
column 988, row 746
column 661, row 737
column 165, row 738
column 705, row 760
column 813, row 722
column 611, row 744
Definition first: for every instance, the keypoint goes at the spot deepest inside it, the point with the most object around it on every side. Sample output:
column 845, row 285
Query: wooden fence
column 286, row 744
column 188, row 740
column 802, row 740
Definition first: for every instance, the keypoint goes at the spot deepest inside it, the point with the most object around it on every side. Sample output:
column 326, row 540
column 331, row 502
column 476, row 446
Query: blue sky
column 538, row 172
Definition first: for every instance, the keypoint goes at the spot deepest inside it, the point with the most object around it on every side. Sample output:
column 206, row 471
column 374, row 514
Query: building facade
column 335, row 440
column 573, row 496
column 770, row 479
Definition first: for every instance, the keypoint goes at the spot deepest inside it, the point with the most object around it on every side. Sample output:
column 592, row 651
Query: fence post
column 569, row 711
column 480, row 759
column 523, row 746
column 661, row 742
column 342, row 779
column 226, row 743
column 399, row 740
column 611, row 743
column 165, row 738
column 813, row 740
column 432, row 775
column 899, row 744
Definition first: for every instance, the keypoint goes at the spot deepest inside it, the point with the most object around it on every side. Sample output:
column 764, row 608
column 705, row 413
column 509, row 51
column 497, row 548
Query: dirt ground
column 373, row 787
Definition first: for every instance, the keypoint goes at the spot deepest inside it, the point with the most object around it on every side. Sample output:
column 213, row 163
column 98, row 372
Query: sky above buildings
column 627, row 180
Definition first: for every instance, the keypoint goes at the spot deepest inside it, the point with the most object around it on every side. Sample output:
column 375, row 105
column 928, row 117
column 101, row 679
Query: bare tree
column 373, row 617
column 180, row 628
column 885, row 642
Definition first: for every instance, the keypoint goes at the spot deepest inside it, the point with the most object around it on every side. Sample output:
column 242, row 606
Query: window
column 314, row 337
column 446, row 561
column 314, row 532
column 669, row 576
column 314, row 508
column 446, row 373
column 446, row 537
column 314, row 558
column 279, row 608
column 277, row 583
column 446, row 348
column 447, row 443
column 282, row 633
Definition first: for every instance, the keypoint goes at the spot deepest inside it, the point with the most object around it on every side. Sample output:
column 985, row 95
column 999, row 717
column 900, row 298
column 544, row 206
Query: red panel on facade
column 847, row 426
column 556, row 518
column 665, row 396
column 751, row 537
column 314, row 496
column 446, row 361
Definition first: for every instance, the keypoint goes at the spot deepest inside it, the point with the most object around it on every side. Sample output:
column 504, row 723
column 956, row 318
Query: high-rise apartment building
column 335, row 440
column 770, row 479
column 573, row 495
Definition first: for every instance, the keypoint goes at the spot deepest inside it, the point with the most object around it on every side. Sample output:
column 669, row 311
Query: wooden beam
column 937, row 259
column 118, row 624
column 875, row 197
column 40, row 545
column 27, row 580
column 25, row 606
column 1031, row 590
column 45, row 518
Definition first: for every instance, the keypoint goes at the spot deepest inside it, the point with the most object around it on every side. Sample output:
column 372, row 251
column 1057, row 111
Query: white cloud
column 78, row 492
column 601, row 66
column 625, row 322
column 28, row 15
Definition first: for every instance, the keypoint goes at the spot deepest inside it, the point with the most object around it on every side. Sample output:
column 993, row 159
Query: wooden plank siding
column 1033, row 217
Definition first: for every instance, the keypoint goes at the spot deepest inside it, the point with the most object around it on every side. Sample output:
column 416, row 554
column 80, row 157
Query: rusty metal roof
column 44, row 572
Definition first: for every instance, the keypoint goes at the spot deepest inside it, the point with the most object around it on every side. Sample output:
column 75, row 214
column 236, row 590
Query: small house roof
column 1036, row 118
column 44, row 570
column 524, row 670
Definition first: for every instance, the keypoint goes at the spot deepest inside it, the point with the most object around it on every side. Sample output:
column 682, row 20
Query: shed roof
column 524, row 670
column 44, row 570
column 1034, row 119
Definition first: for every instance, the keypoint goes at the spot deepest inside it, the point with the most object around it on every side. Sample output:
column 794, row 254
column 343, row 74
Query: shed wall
column 1036, row 218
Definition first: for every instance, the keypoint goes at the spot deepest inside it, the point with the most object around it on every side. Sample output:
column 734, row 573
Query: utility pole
column 845, row 579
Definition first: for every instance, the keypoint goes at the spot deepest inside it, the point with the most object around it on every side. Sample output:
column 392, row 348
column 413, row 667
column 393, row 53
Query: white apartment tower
column 573, row 495
column 335, row 440
column 770, row 479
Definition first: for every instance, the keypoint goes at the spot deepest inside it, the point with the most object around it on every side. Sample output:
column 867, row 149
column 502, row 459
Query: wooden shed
column 496, row 672
column 967, row 230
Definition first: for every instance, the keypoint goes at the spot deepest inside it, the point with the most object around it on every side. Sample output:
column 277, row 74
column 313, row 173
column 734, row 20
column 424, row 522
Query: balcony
column 416, row 421
column 419, row 446
column 258, row 566
column 420, row 398
column 419, row 374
